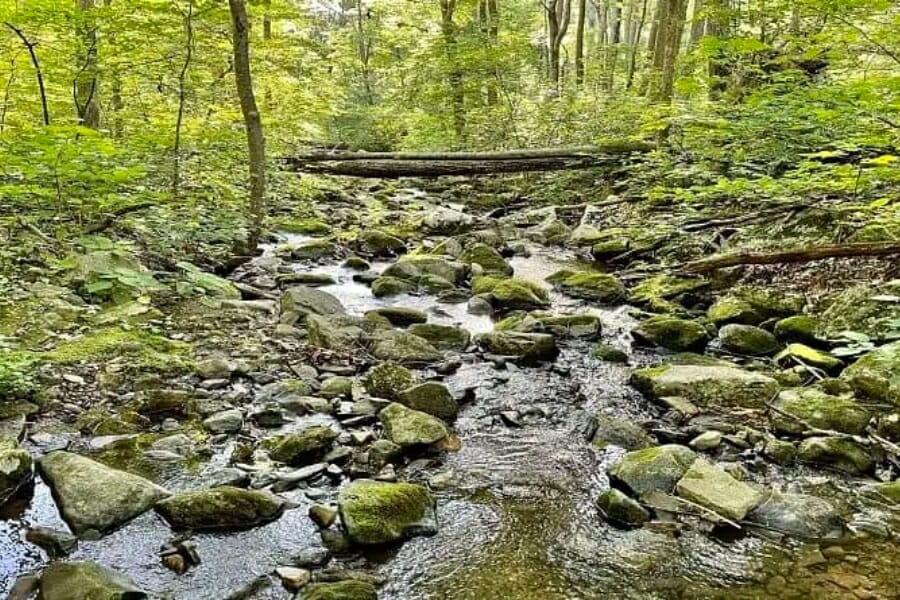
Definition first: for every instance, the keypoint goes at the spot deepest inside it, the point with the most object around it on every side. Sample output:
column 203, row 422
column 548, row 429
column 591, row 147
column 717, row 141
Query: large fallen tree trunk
column 800, row 255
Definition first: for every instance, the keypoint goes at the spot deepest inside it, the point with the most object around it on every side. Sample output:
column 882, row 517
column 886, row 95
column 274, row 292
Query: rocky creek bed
column 483, row 414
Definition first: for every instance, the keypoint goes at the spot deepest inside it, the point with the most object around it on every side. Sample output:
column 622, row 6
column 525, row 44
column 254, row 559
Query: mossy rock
column 18, row 374
column 350, row 589
column 86, row 581
column 220, row 508
column 819, row 410
column 748, row 340
column 375, row 513
column 313, row 250
column 619, row 509
column 336, row 387
column 487, row 258
column 801, row 329
column 713, row 488
column 795, row 353
column 672, row 333
column 338, row 332
column 608, row 353
column 403, row 347
column 435, row 285
column 578, row 326
column 653, row 469
column 864, row 308
column 529, row 348
column 379, row 243
column 558, row 277
column 138, row 350
column 446, row 338
column 729, row 310
column 752, row 306
column 161, row 404
column 597, row 287
column 357, row 263
column 876, row 374
column 518, row 294
column 416, row 266
column 714, row 386
column 212, row 285
column 665, row 287
column 407, row 427
column 303, row 448
column 15, row 469
column 432, row 398
column 623, row 433
column 308, row 279
column 839, row 453
column 308, row 226
column 401, row 316
column 387, row 380
column 299, row 301
column 485, row 284
column 386, row 286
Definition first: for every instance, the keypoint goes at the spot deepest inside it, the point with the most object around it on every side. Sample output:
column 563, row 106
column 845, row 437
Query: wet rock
column 653, row 469
column 221, row 508
column 446, row 221
column 819, row 410
column 876, row 375
column 480, row 305
column 582, row 326
column 293, row 578
column 401, row 316
column 382, row 452
column 608, row 353
column 323, row 516
column 403, row 347
column 800, row 354
column 228, row 421
column 432, row 398
column 298, row 302
column 839, row 453
column 413, row 267
column 385, row 286
column 446, row 338
column 357, row 264
column 747, row 339
column 781, row 452
column 708, row 440
column 706, row 385
column 336, row 387
column 379, row 243
column 57, row 544
column 618, row 508
column 160, row 404
column 340, row 590
column 406, row 427
column 800, row 329
column 527, row 347
column 889, row 491
column 387, row 380
column 15, row 468
column 713, row 488
column 338, row 332
column 313, row 249
column 620, row 432
column 303, row 448
column 378, row 512
column 491, row 261
column 214, row 368
column 672, row 333
column 730, row 310
column 798, row 515
column 270, row 416
column 229, row 476
column 94, row 498
column 86, row 581
column 597, row 287
column 518, row 294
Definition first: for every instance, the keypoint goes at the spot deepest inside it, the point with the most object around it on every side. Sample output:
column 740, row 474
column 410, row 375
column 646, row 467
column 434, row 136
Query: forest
column 449, row 299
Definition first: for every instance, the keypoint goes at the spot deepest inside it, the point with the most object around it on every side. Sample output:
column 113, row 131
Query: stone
column 338, row 332
column 293, row 578
column 298, row 302
column 727, row 310
column 308, row 279
column 220, row 508
column 323, row 516
column 430, row 397
column 819, row 410
column 160, row 404
column 387, row 380
column 214, row 368
column 706, row 385
column 55, row 543
column 281, row 391
column 349, row 589
column 312, row 250
column 799, row 515
column 602, row 288
column 876, row 374
column 653, row 469
column 611, row 431
column 889, row 491
column 801, row 329
column 748, row 340
column 385, row 286
column 582, row 326
column 708, row 440
column 336, row 387
column 479, row 305
column 407, row 427
column 227, row 421
column 711, row 487
column 401, row 316
column 94, row 498
column 440, row 220
column 781, row 452
column 838, row 453
column 357, row 264
column 376, row 513
column 608, row 353
column 303, row 448
column 491, row 261
column 382, row 452
column 528, row 347
column 379, row 243
column 403, row 347
column 672, row 333
column 865, row 308
column 446, row 338
column 86, row 581
column 618, row 508
column 413, row 267
column 516, row 294
column 800, row 354
column 15, row 468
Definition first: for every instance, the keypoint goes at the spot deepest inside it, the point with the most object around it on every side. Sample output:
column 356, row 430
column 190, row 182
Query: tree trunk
column 559, row 13
column 579, row 43
column 29, row 45
column 488, row 22
column 116, row 102
column 698, row 23
column 670, row 19
column 86, row 84
column 718, row 23
column 182, row 97
column 363, row 48
column 612, row 49
column 634, row 45
column 455, row 78
column 256, row 144
column 799, row 255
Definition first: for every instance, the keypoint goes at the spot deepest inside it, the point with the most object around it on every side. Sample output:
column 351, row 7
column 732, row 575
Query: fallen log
column 801, row 255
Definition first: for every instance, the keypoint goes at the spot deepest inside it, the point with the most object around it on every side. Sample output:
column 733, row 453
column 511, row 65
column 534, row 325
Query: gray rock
column 220, row 508
column 406, row 427
column 430, row 397
column 297, row 302
column 711, row 487
column 527, row 347
column 622, row 510
column 403, row 347
column 819, row 410
column 706, row 385
column 839, row 453
column 748, row 340
column 228, row 421
column 15, row 468
column 653, row 469
column 798, row 515
column 377, row 512
column 86, row 581
column 620, row 432
column 672, row 333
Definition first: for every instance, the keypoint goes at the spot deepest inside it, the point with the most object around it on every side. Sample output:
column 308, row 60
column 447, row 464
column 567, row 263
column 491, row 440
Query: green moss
column 340, row 590
column 298, row 449
column 808, row 356
column 599, row 287
column 128, row 455
column 377, row 513
column 485, row 284
column 310, row 226
column 391, row 286
column 17, row 374
column 387, row 380
column 138, row 349
column 519, row 294
column 220, row 508
column 664, row 287
column 489, row 259
column 672, row 333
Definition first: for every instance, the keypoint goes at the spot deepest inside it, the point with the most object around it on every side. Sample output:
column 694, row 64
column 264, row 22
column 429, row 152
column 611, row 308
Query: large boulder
column 748, row 340
column 303, row 448
column 597, row 287
column 611, row 431
column 800, row 354
column 400, row 316
column 706, row 385
column 798, row 515
column 801, row 329
column 711, row 487
column 487, row 258
column 580, row 326
column 446, row 338
column 94, row 498
column 876, row 375
column 672, row 333
column 86, row 581
column 220, row 508
column 820, row 410
column 517, row 294
column 653, row 469
column 375, row 512
column 430, row 397
column 527, row 347
column 297, row 302
column 415, row 266
column 387, row 380
column 386, row 286
column 838, row 453
column 403, row 347
column 752, row 306
column 338, row 332
column 407, row 427
column 379, row 243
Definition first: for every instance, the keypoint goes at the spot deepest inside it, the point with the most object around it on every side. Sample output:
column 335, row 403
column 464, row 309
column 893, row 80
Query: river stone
column 375, row 512
column 798, row 515
column 528, row 347
column 403, row 347
column 620, row 432
column 214, row 368
column 609, row 353
column 297, row 302
column 447, row 221
column 711, row 487
column 839, row 453
column 86, row 581
column 400, row 316
column 622, row 510
column 415, row 266
column 15, row 467
column 379, row 243
column 747, row 339
column 357, row 263
column 518, row 294
column 407, row 427
column 581, row 326
column 388, row 379
column 798, row 329
column 598, row 287
column 220, row 508
column 303, row 448
column 312, row 249
column 653, row 469
column 672, row 333
column 819, row 410
column 430, row 397
column 795, row 353
column 876, row 375
column 889, row 491
column 93, row 497
column 487, row 258
column 337, row 386
column 385, row 286
column 350, row 589
column 446, row 338
column 227, row 421
column 706, row 385
column 728, row 310
column 338, row 332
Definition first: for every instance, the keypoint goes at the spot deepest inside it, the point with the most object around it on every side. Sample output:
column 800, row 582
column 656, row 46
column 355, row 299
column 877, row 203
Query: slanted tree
column 558, row 13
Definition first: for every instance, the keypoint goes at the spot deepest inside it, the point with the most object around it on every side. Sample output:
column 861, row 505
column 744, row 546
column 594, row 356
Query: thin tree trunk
column 698, row 23
column 6, row 90
column 612, row 50
column 489, row 21
column 87, row 105
column 799, row 255
column 635, row 45
column 559, row 13
column 29, row 45
column 116, row 102
column 579, row 43
column 671, row 17
column 457, row 93
column 182, row 95
column 256, row 144
column 364, row 52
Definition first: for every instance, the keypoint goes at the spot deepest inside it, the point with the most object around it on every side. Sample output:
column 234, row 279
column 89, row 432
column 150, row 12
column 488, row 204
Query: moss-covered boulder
column 819, row 410
column 407, row 427
column 623, row 433
column 619, row 509
column 864, row 308
column 386, row 286
column 379, row 243
column 313, row 249
column 376, row 513
column 403, row 347
column 706, row 385
column 446, row 338
column 602, row 288
column 220, row 508
column 357, row 263
column 579, row 326
column 800, row 329
column 135, row 349
column 94, row 498
column 838, row 453
column 415, row 266
column 388, row 379
column 401, row 316
column 338, row 332
column 876, row 374
column 529, row 348
column 430, row 397
column 664, row 288
column 86, row 581
column 653, row 469
column 487, row 258
column 799, row 515
column 609, row 353
column 15, row 468
column 160, row 404
column 303, row 448
column 796, row 354
column 210, row 284
column 711, row 487
column 748, row 340
column 729, row 309
column 515, row 294
column 336, row 386
column 672, row 333
column 350, row 589
column 300, row 301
